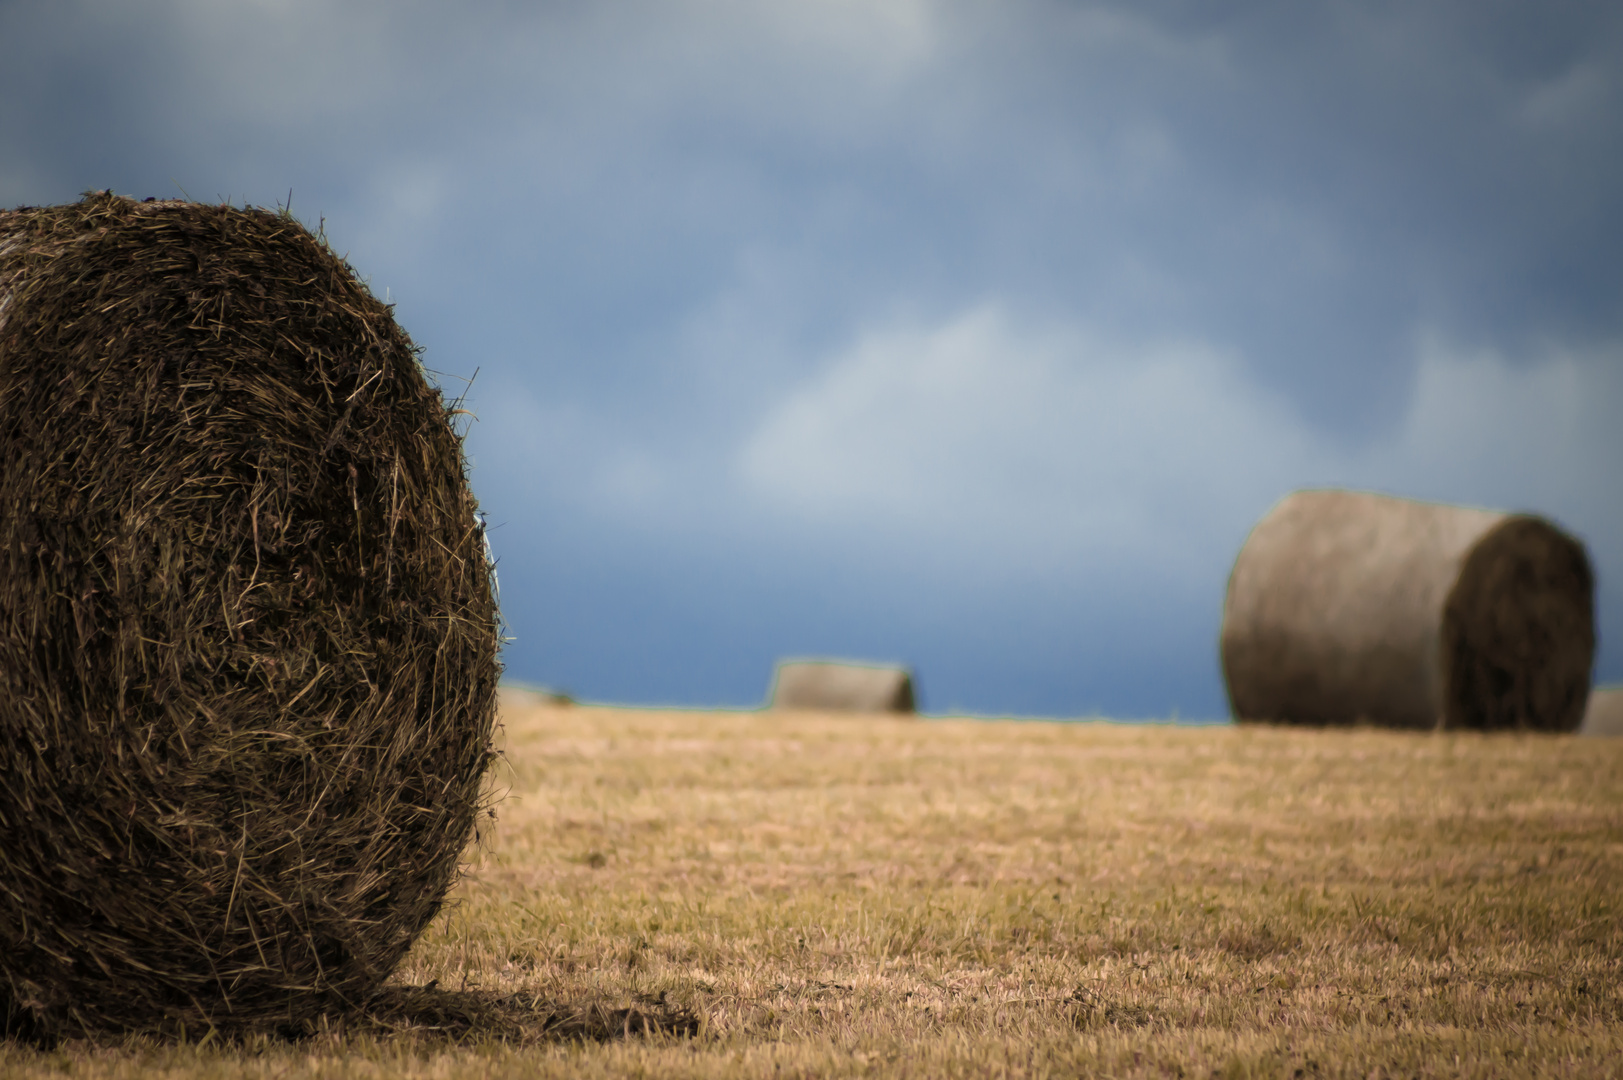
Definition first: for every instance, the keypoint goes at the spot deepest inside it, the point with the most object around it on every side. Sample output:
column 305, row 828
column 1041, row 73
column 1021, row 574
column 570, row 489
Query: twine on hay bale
column 1345, row 607
column 842, row 687
column 1604, row 715
column 247, row 633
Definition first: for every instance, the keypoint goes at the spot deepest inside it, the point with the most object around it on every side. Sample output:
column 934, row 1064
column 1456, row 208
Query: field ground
column 755, row 894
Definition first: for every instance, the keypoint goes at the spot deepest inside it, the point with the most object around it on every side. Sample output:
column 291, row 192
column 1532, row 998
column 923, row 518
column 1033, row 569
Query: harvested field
column 722, row 894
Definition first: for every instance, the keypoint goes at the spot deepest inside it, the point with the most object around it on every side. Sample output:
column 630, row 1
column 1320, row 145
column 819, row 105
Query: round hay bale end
column 1345, row 607
column 248, row 641
column 842, row 687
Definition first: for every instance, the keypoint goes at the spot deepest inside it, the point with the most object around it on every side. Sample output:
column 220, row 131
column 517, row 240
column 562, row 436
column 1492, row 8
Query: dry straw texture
column 842, row 687
column 1346, row 607
column 247, row 633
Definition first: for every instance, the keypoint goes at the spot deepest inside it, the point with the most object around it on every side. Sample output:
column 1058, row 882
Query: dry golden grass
column 853, row 896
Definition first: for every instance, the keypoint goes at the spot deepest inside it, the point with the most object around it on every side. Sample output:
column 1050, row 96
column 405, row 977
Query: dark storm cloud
column 967, row 335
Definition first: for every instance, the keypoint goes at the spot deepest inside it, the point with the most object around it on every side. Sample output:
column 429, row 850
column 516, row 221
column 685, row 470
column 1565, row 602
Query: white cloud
column 1053, row 447
column 1542, row 435
column 884, row 36
column 1576, row 96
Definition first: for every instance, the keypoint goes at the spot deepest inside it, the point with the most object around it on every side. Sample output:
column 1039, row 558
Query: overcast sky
column 969, row 335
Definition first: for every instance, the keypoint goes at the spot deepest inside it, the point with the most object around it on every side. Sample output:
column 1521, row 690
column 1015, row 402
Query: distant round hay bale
column 247, row 634
column 1604, row 716
column 842, row 687
column 1346, row 607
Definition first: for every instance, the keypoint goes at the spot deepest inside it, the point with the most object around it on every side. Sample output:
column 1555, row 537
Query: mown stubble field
column 820, row 895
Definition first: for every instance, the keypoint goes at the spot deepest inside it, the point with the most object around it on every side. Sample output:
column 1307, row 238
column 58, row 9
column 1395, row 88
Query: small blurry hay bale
column 842, row 686
column 1345, row 607
column 247, row 632
column 1605, row 713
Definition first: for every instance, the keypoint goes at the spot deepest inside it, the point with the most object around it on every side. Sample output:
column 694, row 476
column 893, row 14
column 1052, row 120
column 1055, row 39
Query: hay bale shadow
column 430, row 1014
column 461, row 1016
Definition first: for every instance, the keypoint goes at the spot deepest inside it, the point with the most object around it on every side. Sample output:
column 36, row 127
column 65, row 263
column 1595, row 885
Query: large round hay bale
column 1604, row 715
column 247, row 635
column 1345, row 607
column 842, row 686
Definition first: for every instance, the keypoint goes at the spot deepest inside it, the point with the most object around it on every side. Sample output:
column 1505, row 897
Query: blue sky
column 972, row 336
